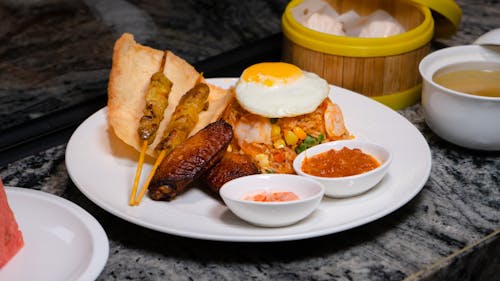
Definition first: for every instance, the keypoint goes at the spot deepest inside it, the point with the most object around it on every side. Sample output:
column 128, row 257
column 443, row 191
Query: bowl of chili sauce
column 346, row 168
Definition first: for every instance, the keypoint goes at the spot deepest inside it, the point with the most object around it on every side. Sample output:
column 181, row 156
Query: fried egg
column 278, row 89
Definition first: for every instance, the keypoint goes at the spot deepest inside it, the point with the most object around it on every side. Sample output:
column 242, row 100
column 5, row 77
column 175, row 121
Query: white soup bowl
column 467, row 120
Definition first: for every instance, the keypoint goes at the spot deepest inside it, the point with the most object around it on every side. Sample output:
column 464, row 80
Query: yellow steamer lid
column 447, row 15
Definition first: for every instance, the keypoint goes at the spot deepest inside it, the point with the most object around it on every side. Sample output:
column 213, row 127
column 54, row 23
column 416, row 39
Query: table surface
column 56, row 54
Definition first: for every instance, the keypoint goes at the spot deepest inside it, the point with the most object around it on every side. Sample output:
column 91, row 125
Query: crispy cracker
column 133, row 65
column 217, row 102
column 131, row 71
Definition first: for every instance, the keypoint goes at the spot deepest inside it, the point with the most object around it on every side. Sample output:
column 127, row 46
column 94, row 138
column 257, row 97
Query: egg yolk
column 271, row 73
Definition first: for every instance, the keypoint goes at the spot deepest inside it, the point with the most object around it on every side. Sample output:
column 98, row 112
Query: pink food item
column 273, row 196
column 11, row 238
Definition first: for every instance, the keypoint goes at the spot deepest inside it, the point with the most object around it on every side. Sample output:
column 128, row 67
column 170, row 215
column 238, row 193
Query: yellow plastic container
column 385, row 69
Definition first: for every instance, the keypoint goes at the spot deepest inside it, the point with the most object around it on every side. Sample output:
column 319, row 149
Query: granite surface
column 54, row 53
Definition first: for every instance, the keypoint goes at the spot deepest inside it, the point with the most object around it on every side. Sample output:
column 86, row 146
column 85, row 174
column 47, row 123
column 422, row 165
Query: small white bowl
column 351, row 185
column 466, row 120
column 272, row 214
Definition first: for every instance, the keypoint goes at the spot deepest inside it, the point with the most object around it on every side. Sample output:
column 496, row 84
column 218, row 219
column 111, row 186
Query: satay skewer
column 156, row 102
column 180, row 126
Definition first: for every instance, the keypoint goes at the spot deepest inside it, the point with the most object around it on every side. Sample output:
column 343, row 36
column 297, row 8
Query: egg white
column 290, row 99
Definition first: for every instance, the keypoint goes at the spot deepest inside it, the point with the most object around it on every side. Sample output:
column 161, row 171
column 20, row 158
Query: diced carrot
column 279, row 156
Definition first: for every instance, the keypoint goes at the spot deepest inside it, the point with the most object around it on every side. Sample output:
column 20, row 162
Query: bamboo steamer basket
column 385, row 69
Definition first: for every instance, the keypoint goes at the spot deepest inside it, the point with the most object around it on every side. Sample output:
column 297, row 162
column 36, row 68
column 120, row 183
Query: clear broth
column 474, row 78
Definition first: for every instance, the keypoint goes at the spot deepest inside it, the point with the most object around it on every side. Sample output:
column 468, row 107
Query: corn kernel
column 291, row 138
column 275, row 130
column 300, row 133
column 280, row 143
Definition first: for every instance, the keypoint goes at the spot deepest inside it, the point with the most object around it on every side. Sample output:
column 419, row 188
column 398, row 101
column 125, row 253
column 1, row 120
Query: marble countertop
column 57, row 53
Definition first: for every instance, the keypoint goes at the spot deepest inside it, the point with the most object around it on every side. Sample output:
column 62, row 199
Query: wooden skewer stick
column 138, row 173
column 168, row 144
column 157, row 163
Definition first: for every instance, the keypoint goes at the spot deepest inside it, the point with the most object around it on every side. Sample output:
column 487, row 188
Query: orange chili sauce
column 274, row 196
column 339, row 163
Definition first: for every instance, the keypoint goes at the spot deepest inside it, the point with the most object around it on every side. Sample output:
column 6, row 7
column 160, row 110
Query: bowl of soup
column 461, row 95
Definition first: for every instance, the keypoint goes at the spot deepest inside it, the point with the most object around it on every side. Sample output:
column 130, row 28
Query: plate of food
column 58, row 240
column 180, row 196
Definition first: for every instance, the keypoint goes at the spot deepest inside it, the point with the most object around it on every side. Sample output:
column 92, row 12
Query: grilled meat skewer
column 179, row 127
column 159, row 89
column 156, row 103
column 185, row 117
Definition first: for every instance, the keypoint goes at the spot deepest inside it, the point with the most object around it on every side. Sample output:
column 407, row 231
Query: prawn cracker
column 132, row 68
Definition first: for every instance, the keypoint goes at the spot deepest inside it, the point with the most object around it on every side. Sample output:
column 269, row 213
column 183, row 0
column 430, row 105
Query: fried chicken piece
column 232, row 165
column 190, row 160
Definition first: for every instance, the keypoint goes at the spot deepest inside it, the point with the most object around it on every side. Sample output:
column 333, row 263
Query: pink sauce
column 272, row 196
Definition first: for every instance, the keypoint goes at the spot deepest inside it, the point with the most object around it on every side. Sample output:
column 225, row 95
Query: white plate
column 61, row 240
column 103, row 168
